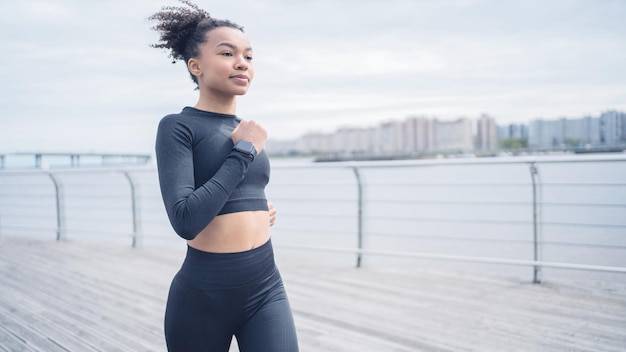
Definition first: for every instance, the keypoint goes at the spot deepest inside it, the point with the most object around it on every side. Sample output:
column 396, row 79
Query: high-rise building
column 606, row 130
column 612, row 129
column 544, row 134
column 486, row 133
column 453, row 135
column 512, row 131
column 316, row 142
column 580, row 132
column 419, row 134
column 391, row 137
column 355, row 140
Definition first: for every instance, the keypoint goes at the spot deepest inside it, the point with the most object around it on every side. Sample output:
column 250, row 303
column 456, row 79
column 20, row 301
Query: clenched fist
column 250, row 131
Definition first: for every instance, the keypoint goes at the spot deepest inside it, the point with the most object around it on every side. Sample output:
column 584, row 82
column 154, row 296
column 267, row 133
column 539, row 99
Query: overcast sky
column 80, row 76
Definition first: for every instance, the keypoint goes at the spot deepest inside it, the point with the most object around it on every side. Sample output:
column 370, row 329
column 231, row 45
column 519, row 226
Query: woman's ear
column 194, row 67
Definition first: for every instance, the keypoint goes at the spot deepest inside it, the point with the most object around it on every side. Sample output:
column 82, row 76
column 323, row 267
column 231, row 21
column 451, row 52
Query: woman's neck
column 222, row 105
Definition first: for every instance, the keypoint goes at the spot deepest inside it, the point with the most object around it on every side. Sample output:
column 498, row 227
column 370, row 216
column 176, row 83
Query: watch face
column 246, row 147
column 249, row 147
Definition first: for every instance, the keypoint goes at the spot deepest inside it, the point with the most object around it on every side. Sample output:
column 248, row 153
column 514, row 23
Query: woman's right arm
column 190, row 210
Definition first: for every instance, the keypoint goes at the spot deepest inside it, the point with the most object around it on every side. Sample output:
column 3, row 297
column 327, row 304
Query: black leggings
column 217, row 295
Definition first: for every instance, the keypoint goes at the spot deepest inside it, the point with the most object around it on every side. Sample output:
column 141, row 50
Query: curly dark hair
column 183, row 30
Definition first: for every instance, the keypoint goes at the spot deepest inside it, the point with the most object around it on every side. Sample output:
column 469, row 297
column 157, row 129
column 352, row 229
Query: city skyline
column 418, row 134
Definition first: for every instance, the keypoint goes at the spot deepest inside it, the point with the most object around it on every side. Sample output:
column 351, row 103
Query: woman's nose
column 241, row 64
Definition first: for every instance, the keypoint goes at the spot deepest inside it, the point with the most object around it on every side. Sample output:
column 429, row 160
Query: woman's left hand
column 272, row 210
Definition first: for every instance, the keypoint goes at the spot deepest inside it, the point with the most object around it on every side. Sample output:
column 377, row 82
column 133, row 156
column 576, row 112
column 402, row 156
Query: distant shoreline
column 337, row 157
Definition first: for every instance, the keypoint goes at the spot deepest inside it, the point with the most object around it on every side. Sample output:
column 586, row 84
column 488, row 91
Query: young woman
column 212, row 172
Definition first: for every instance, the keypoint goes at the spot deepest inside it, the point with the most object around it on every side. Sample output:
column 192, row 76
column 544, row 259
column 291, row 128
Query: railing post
column 534, row 174
column 359, row 215
column 75, row 160
column 60, row 205
column 135, row 208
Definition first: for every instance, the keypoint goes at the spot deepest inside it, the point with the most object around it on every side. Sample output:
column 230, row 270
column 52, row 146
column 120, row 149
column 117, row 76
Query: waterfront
column 478, row 207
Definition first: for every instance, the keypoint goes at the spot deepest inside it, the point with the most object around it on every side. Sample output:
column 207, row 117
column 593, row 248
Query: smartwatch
column 247, row 148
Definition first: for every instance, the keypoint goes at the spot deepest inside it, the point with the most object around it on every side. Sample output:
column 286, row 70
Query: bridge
column 42, row 160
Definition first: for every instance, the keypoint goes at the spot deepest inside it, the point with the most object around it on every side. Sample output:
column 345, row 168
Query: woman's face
column 224, row 65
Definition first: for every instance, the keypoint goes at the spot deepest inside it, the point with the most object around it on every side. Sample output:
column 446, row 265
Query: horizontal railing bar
column 74, row 188
column 30, row 214
column 447, row 238
column 70, row 230
column 317, row 231
column 542, row 159
column 98, row 218
column 568, row 224
column 565, row 184
column 28, row 196
column 19, row 213
column 470, row 221
column 82, row 170
column 406, row 184
column 491, row 185
column 34, row 228
column 145, row 235
column 529, row 203
column 462, row 221
column 122, row 206
column 516, row 262
column 499, row 240
column 311, row 215
column 311, row 200
column 582, row 205
column 447, row 202
column 14, row 205
column 315, row 184
column 584, row 245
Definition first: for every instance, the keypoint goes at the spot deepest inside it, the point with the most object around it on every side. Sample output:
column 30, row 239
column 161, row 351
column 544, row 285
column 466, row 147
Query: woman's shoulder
column 176, row 124
column 178, row 119
column 181, row 115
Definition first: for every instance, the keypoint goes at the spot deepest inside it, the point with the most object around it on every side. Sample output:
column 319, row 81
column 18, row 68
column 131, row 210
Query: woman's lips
column 243, row 79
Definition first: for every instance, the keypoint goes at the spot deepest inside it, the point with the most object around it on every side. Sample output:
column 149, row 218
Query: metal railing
column 25, row 206
column 538, row 220
column 368, row 206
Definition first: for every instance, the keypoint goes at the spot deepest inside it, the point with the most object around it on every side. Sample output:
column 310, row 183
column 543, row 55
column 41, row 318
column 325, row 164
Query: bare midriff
column 234, row 232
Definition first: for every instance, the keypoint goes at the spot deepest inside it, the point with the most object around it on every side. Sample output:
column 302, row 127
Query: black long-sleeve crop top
column 200, row 174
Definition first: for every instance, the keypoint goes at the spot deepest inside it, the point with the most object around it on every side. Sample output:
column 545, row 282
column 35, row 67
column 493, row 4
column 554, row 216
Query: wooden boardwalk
column 86, row 296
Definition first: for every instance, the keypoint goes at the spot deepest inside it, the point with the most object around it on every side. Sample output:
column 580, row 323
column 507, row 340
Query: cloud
column 81, row 75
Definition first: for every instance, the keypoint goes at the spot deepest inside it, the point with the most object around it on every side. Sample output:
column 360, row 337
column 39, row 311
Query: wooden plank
column 20, row 336
column 96, row 296
column 102, row 319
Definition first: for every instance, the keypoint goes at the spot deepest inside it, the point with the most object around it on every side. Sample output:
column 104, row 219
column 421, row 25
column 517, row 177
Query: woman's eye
column 227, row 54
column 249, row 58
